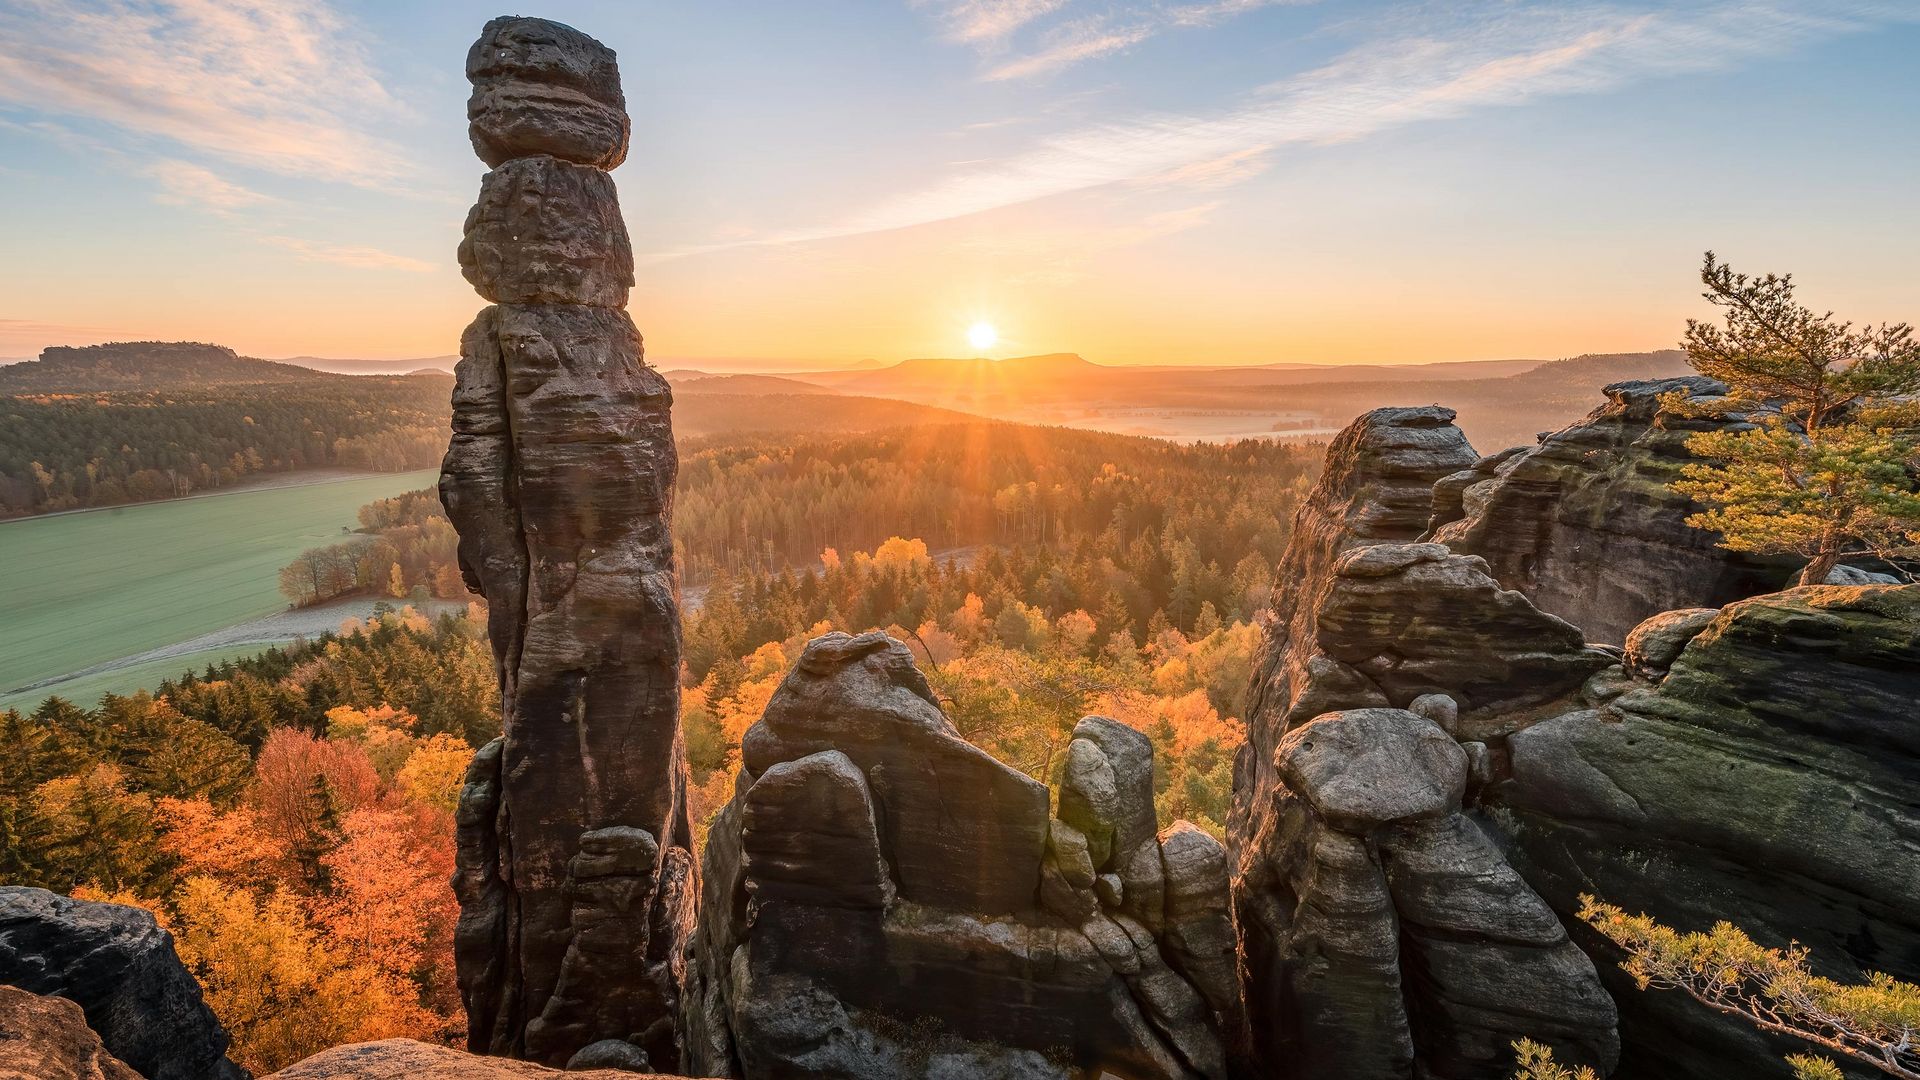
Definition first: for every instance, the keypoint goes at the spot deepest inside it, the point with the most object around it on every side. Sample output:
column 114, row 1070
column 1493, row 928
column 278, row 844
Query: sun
column 982, row 336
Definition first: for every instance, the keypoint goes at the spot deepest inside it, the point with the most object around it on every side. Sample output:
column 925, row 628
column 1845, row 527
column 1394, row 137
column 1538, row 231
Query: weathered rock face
column 1585, row 525
column 47, row 1038
column 576, row 878
column 884, row 899
column 1383, row 934
column 120, row 968
column 1770, row 776
column 404, row 1059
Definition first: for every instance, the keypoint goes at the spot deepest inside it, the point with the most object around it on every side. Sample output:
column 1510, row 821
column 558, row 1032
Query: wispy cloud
column 279, row 85
column 1071, row 44
column 1416, row 72
column 977, row 22
column 989, row 26
column 183, row 183
column 21, row 336
column 366, row 258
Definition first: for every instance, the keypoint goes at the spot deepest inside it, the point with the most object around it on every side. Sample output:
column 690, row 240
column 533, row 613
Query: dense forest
column 763, row 503
column 62, row 451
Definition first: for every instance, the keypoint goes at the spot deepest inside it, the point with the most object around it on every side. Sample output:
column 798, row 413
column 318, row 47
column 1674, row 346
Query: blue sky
column 1207, row 181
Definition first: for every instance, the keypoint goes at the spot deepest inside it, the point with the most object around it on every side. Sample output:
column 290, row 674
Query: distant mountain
column 142, row 365
column 374, row 367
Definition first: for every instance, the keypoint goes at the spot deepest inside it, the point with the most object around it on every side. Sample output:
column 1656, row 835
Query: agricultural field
column 85, row 589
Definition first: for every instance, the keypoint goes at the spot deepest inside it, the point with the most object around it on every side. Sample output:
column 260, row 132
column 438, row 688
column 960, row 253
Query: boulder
column 120, row 968
column 1364, row 768
column 540, row 87
column 1586, row 525
column 47, row 1038
column 1655, row 644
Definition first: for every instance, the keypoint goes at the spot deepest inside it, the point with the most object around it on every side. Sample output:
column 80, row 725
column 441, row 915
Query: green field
column 87, row 689
column 82, row 589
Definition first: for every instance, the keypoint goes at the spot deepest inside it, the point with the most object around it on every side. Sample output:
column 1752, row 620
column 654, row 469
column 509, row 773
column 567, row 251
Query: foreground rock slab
column 47, row 1038
column 404, row 1059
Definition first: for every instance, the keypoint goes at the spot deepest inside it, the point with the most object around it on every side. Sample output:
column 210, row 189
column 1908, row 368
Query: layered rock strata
column 1382, row 932
column 575, row 874
column 119, row 967
column 1585, row 524
column 884, row 899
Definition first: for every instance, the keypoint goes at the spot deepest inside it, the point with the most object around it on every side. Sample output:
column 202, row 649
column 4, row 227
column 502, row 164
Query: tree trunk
column 1817, row 570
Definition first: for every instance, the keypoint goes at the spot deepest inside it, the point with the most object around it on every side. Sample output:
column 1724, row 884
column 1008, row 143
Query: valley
column 91, row 588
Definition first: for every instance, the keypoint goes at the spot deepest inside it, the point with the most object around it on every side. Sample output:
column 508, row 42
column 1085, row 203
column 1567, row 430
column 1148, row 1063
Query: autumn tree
column 1874, row 1023
column 1825, row 466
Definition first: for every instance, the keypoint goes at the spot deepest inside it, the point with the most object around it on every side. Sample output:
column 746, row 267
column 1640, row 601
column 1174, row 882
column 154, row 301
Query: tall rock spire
column 576, row 879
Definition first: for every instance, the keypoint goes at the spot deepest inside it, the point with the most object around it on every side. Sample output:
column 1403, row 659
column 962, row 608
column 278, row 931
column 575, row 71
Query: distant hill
column 700, row 382
column 696, row 415
column 1059, row 378
column 142, row 365
column 374, row 367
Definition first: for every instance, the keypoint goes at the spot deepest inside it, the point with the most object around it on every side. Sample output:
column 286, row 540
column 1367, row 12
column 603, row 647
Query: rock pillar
column 576, row 878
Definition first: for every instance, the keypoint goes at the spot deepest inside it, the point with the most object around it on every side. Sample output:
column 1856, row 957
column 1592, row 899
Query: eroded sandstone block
column 543, row 88
column 884, row 899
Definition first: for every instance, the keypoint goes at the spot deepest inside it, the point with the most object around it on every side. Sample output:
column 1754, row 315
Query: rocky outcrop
column 884, row 899
column 1438, row 769
column 1767, row 772
column 575, row 872
column 404, row 1059
column 47, row 1038
column 1585, row 525
column 120, row 968
column 1382, row 931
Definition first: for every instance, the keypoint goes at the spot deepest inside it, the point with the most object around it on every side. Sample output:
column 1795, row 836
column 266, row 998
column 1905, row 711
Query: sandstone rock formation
column 47, row 1038
column 1382, row 932
column 1397, row 873
column 120, row 968
column 404, row 1059
column 1585, row 525
column 884, row 899
column 575, row 874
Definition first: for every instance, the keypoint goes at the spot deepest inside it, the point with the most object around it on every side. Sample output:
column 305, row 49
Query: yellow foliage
column 435, row 770
column 277, row 989
column 1876, row 1023
column 1536, row 1063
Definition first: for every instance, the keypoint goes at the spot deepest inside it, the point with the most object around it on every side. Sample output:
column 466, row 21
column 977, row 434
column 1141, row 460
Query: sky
column 1138, row 181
